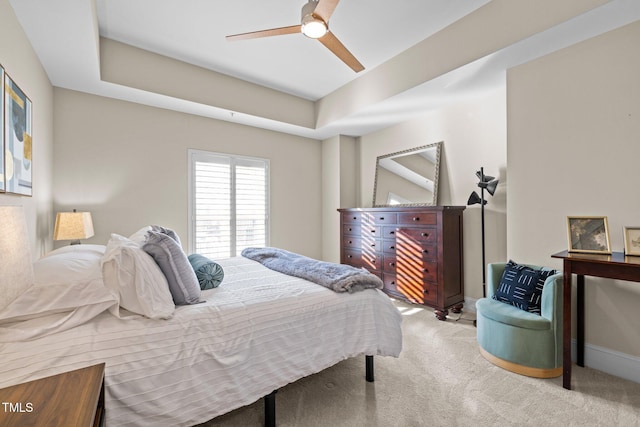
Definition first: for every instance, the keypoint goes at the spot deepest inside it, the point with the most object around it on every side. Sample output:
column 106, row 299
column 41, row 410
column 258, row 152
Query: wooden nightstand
column 74, row 398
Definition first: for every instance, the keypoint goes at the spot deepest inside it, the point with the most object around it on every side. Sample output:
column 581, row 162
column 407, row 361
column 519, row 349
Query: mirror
column 408, row 178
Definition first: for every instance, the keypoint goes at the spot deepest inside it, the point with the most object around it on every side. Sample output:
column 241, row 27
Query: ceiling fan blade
column 325, row 9
column 266, row 33
column 334, row 45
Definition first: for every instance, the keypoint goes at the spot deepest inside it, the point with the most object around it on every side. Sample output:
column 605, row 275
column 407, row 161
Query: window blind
column 229, row 203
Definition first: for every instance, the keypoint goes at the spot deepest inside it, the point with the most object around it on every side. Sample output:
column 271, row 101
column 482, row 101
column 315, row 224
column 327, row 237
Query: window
column 229, row 203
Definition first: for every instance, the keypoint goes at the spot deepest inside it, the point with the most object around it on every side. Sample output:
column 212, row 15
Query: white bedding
column 258, row 331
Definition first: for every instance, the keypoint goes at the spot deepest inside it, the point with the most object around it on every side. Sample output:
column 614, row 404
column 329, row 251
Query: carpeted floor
column 440, row 379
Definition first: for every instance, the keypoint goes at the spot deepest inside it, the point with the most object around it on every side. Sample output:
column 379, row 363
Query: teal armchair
column 519, row 341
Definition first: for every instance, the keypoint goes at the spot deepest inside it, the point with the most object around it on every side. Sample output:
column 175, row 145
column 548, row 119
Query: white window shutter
column 229, row 203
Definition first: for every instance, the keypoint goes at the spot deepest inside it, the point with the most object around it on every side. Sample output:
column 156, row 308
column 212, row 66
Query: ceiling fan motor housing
column 312, row 25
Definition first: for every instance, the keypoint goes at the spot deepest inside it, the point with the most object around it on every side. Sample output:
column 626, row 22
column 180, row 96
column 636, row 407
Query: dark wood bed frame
column 270, row 399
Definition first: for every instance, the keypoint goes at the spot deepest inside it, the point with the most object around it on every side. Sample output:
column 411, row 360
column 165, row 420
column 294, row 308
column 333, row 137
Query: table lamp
column 73, row 226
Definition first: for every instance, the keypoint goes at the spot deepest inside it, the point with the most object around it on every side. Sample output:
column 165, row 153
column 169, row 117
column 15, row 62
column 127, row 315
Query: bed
column 258, row 331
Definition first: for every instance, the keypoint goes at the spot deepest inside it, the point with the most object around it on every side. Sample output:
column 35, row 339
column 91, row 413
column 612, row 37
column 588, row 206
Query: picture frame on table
column 631, row 240
column 588, row 234
column 18, row 145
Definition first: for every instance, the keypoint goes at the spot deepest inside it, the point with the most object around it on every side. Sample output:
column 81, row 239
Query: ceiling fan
column 315, row 25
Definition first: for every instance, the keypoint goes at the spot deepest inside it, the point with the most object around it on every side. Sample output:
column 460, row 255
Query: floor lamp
column 488, row 183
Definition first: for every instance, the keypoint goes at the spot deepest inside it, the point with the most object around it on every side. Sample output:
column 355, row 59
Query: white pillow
column 136, row 278
column 67, row 291
column 69, row 264
column 141, row 235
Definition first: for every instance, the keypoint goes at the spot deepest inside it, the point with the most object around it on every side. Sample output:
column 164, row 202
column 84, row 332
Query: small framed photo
column 588, row 234
column 631, row 240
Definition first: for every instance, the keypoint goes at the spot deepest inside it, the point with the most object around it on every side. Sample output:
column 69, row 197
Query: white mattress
column 257, row 332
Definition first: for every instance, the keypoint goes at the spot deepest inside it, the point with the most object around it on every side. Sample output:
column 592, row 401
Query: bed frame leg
column 270, row 409
column 369, row 368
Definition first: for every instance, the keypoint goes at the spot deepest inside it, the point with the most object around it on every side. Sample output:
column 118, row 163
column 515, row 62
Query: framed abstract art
column 18, row 147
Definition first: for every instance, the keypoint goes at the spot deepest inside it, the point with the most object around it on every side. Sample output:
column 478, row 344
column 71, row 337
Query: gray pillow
column 169, row 232
column 175, row 266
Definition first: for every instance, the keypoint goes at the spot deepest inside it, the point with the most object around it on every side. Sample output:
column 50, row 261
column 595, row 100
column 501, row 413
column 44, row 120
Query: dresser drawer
column 410, row 288
column 380, row 218
column 351, row 229
column 415, row 268
column 351, row 217
column 352, row 256
column 423, row 235
column 362, row 259
column 372, row 262
column 389, row 246
column 352, row 242
column 424, row 251
column 418, row 218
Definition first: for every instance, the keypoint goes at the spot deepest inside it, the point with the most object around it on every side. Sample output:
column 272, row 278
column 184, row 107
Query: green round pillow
column 208, row 272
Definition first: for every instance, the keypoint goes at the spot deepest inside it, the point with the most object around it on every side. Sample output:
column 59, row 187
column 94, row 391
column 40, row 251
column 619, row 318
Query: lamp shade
column 490, row 186
column 73, row 226
column 16, row 269
column 474, row 199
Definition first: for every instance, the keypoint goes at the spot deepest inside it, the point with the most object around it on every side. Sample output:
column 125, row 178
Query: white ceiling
column 64, row 36
column 194, row 31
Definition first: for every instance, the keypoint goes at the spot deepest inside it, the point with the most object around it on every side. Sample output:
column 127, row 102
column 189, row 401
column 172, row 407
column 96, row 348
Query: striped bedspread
column 257, row 332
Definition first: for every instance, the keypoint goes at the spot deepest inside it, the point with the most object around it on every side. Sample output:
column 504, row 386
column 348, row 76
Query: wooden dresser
column 74, row 398
column 416, row 251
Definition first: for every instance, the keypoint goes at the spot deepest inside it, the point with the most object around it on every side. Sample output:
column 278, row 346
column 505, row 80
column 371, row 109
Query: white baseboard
column 610, row 361
column 600, row 358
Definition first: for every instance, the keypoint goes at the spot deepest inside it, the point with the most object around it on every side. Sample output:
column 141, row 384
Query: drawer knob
column 425, row 291
column 381, row 218
column 393, row 282
column 425, row 270
column 425, row 251
column 349, row 256
column 425, row 234
column 373, row 231
column 373, row 245
column 392, row 232
column 355, row 217
column 416, row 218
column 392, row 247
column 350, row 229
column 392, row 264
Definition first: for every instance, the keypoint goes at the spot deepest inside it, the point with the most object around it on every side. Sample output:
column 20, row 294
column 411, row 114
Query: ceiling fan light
column 313, row 27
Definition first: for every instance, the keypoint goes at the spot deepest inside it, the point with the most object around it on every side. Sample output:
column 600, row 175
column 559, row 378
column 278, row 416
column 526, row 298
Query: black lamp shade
column 489, row 186
column 474, row 199
column 485, row 178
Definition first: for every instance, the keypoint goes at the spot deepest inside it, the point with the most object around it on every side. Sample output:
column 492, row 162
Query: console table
column 614, row 266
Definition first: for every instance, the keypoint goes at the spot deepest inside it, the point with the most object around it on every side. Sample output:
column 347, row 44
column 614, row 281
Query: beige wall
column 339, row 189
column 474, row 135
column 573, row 149
column 21, row 63
column 127, row 164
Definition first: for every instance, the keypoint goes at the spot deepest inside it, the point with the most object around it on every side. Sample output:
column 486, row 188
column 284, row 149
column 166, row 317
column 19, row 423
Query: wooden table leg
column 566, row 326
column 580, row 320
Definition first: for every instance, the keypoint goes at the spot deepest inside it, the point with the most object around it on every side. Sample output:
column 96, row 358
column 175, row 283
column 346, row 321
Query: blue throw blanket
column 337, row 277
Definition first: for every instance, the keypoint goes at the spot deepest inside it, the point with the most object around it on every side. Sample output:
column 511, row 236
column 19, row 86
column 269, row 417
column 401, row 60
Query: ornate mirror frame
column 408, row 177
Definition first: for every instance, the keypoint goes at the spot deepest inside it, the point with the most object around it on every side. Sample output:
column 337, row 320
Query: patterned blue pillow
column 521, row 286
